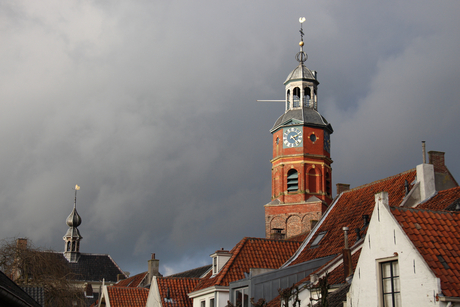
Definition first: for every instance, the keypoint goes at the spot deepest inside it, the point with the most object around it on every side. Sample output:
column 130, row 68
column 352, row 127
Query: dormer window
column 219, row 259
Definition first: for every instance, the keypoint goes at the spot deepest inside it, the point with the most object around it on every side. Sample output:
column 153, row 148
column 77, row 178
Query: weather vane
column 77, row 187
column 301, row 20
column 301, row 56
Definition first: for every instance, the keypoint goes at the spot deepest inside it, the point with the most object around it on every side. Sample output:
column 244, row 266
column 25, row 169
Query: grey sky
column 150, row 106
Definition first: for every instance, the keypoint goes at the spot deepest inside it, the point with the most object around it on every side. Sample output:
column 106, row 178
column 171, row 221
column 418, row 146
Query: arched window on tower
column 328, row 183
column 68, row 246
column 312, row 181
column 296, row 97
column 307, row 97
column 73, row 246
column 288, row 99
column 292, row 180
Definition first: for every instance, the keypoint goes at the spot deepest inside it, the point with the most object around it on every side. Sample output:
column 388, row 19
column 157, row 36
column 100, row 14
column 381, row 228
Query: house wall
column 385, row 240
column 220, row 297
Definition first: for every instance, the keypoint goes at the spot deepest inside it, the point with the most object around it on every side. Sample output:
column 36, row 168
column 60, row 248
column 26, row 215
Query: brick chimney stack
column 154, row 268
column 342, row 187
column 437, row 159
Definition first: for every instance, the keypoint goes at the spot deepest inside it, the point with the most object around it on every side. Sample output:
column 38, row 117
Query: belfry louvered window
column 292, row 180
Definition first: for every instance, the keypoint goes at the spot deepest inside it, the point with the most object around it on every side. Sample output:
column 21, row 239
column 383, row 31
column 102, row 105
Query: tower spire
column 72, row 237
column 301, row 56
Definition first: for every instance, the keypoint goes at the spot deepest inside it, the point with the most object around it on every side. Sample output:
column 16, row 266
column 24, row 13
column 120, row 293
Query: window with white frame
column 203, row 304
column 241, row 297
column 211, row 302
column 390, row 282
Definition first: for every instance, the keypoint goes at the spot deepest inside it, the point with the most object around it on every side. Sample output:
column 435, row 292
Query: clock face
column 327, row 142
column 292, row 137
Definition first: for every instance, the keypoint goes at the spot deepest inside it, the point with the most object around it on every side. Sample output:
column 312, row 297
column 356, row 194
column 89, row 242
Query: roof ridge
column 380, row 180
column 231, row 260
column 425, row 209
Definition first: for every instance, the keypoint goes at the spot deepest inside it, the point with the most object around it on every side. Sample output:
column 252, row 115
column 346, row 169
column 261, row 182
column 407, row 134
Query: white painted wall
column 154, row 299
column 386, row 240
column 219, row 294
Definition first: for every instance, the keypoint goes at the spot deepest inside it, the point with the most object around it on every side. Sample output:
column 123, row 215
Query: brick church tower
column 301, row 164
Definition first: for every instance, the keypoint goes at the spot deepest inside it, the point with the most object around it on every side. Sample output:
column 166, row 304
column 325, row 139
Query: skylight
column 318, row 239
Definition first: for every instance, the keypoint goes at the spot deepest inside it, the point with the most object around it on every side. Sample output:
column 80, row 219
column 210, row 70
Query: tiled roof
column 10, row 288
column 442, row 200
column 197, row 272
column 37, row 293
column 337, row 276
column 173, row 291
column 93, row 267
column 435, row 235
column 133, row 281
column 251, row 253
column 127, row 297
column 347, row 211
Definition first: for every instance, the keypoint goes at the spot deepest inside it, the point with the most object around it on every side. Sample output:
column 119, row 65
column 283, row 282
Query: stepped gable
column 442, row 200
column 251, row 253
column 347, row 211
column 197, row 272
column 436, row 237
column 127, row 297
column 173, row 290
column 133, row 281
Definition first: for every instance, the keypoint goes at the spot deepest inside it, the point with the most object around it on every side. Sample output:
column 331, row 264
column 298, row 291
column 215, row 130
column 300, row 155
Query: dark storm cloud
column 151, row 108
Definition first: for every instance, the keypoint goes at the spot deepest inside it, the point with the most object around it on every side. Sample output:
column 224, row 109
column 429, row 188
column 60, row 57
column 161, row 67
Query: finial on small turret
column 77, row 187
column 301, row 56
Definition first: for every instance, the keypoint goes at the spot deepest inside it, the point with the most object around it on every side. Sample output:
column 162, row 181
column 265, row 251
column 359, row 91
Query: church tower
column 72, row 237
column 301, row 164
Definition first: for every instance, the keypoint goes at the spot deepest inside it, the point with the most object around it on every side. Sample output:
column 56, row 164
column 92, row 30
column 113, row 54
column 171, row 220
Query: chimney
column 347, row 265
column 21, row 243
column 154, row 268
column 426, row 178
column 120, row 277
column 342, row 187
column 437, row 159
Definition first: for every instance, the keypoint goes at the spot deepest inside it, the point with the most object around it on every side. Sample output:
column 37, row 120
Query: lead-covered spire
column 72, row 237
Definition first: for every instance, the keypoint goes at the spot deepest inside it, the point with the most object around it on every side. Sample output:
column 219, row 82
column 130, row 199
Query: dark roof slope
column 347, row 211
column 193, row 273
column 12, row 295
column 304, row 116
column 251, row 253
column 93, row 267
column 435, row 235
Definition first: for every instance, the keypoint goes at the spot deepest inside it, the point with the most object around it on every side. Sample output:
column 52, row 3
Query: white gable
column 385, row 241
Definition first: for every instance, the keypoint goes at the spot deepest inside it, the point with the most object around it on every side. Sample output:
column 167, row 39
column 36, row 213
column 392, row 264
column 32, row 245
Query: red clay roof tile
column 133, row 281
column 174, row 290
column 127, row 297
column 251, row 253
column 441, row 246
column 347, row 211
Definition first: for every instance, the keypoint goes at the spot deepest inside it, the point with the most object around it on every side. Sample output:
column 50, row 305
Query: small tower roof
column 304, row 116
column 301, row 72
column 74, row 219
